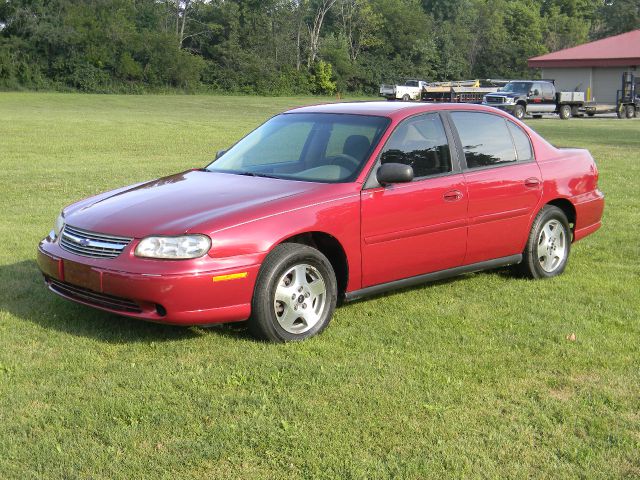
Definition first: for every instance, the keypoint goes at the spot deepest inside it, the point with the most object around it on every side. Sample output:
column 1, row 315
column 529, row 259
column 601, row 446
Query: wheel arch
column 331, row 248
column 568, row 208
column 563, row 204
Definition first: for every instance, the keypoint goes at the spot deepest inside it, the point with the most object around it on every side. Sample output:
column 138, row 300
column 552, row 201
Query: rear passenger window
column 485, row 138
column 421, row 143
column 522, row 143
column 547, row 91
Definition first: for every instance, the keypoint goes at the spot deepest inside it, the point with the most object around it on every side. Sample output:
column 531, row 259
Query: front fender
column 254, row 239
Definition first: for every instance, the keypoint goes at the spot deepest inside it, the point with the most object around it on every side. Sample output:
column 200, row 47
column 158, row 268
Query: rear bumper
column 589, row 209
column 193, row 298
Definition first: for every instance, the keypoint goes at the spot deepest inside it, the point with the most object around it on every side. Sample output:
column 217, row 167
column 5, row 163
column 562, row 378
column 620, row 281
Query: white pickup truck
column 411, row 90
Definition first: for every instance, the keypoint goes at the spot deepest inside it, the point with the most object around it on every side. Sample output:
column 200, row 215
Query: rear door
column 549, row 96
column 503, row 183
column 541, row 98
column 413, row 228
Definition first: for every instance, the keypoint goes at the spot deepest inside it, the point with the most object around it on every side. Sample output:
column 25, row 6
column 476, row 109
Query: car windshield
column 411, row 83
column 517, row 87
column 314, row 147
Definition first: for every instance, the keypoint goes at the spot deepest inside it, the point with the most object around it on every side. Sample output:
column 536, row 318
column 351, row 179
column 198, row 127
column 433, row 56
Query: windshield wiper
column 255, row 174
column 240, row 172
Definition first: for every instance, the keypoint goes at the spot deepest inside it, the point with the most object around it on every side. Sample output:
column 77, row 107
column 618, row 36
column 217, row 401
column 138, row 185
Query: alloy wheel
column 300, row 298
column 552, row 245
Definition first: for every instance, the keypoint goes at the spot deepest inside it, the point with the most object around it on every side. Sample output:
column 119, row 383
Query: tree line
column 276, row 47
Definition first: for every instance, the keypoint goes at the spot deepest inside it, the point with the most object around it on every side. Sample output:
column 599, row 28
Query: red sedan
column 323, row 203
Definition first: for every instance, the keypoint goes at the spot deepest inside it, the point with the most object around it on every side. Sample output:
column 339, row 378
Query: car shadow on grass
column 24, row 295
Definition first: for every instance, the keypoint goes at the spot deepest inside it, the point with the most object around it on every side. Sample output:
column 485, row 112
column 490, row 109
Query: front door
column 419, row 227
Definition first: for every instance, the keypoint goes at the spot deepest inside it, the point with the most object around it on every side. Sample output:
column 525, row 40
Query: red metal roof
column 618, row 51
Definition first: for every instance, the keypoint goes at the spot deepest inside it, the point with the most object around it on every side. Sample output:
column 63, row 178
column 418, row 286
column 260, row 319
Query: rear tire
column 565, row 112
column 295, row 294
column 548, row 246
column 406, row 98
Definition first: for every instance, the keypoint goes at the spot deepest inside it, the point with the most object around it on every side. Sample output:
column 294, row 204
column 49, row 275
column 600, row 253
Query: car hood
column 505, row 94
column 183, row 203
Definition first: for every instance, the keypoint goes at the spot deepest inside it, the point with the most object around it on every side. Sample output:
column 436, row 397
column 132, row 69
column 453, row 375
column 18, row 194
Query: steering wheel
column 346, row 161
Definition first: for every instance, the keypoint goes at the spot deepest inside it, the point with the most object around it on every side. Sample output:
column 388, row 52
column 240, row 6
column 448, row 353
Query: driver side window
column 421, row 143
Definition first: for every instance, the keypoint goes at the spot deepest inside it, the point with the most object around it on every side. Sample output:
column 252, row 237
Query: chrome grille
column 495, row 99
column 91, row 244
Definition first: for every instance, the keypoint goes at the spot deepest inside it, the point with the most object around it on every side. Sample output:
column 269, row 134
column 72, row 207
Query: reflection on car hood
column 179, row 203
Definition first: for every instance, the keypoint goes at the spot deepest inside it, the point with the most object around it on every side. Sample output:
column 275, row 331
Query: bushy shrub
column 185, row 70
column 322, row 82
column 128, row 68
column 86, row 77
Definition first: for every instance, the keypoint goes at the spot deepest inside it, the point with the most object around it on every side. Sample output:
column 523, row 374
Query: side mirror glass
column 394, row 173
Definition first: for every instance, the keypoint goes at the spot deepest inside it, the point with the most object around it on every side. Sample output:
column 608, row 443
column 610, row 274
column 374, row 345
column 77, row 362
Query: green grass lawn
column 472, row 377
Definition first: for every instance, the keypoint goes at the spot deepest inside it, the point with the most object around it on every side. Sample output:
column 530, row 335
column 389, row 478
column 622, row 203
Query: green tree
column 619, row 17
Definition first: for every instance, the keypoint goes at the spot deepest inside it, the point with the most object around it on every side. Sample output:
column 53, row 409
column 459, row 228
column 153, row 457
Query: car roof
column 386, row 108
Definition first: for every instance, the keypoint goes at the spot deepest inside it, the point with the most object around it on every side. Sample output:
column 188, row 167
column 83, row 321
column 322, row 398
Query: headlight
column 510, row 100
column 484, row 99
column 184, row 246
column 57, row 227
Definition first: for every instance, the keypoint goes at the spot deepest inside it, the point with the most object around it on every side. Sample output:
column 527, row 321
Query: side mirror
column 394, row 173
column 219, row 153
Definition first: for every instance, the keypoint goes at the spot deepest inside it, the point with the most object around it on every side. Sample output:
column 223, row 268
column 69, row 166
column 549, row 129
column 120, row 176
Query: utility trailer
column 462, row 91
column 456, row 91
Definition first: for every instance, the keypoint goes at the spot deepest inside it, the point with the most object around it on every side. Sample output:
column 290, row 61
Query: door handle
column 452, row 196
column 532, row 182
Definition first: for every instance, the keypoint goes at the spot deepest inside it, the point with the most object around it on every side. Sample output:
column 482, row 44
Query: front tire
column 295, row 294
column 630, row 111
column 548, row 245
column 519, row 112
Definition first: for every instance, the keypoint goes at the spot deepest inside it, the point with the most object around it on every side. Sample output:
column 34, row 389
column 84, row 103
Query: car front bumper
column 186, row 298
column 507, row 107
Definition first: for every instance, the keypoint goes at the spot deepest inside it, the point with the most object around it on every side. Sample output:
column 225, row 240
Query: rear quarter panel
column 571, row 174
